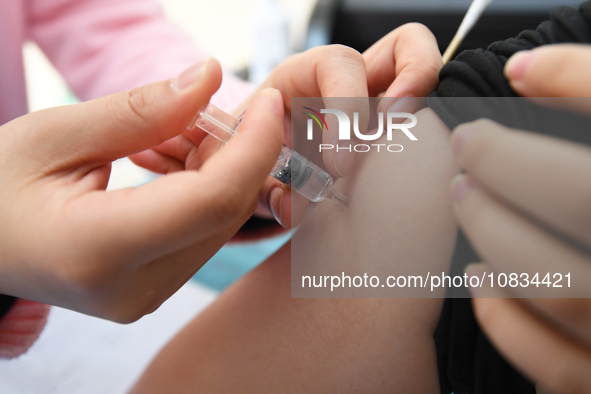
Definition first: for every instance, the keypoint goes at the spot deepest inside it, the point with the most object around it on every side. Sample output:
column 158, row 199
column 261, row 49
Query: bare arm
column 256, row 338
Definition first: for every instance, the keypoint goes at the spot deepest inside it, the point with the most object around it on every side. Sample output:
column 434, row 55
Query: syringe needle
column 338, row 198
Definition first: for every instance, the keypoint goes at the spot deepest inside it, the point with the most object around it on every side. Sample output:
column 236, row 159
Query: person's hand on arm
column 525, row 206
column 405, row 62
column 66, row 241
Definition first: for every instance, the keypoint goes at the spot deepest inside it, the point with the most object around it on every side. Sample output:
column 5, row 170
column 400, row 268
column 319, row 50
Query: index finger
column 328, row 71
column 405, row 62
column 546, row 177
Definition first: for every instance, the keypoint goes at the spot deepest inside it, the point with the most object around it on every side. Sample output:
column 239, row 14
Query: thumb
column 551, row 71
column 124, row 123
column 181, row 208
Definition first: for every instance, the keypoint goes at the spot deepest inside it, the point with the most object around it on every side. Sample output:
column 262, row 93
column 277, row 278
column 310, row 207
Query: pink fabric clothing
column 99, row 46
column 21, row 327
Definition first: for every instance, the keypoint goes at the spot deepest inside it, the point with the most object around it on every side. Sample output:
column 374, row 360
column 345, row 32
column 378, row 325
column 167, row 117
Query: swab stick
column 472, row 16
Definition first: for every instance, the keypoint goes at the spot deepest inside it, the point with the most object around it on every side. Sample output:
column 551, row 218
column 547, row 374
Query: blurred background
column 235, row 31
column 226, row 29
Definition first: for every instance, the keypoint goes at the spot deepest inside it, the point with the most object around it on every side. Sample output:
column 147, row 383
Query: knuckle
column 344, row 51
column 414, row 28
column 138, row 105
column 414, row 51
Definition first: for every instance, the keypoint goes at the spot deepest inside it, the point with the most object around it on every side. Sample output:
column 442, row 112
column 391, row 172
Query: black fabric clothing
column 467, row 362
column 479, row 73
column 5, row 304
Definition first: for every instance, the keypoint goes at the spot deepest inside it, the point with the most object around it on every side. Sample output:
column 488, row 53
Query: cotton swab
column 474, row 13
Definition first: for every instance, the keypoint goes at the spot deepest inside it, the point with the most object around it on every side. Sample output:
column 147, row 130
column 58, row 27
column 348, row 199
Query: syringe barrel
column 297, row 172
column 291, row 168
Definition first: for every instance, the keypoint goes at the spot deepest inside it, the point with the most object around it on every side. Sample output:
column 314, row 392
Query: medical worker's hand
column 66, row 241
column 405, row 62
column 525, row 205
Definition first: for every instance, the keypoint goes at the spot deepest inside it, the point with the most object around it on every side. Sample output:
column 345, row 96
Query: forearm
column 255, row 338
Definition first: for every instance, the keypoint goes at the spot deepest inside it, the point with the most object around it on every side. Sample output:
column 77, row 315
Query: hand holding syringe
column 291, row 168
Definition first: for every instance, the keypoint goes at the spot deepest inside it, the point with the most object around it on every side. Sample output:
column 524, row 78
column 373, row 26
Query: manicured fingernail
column 188, row 77
column 461, row 185
column 277, row 103
column 345, row 158
column 475, row 274
column 460, row 135
column 276, row 204
column 518, row 64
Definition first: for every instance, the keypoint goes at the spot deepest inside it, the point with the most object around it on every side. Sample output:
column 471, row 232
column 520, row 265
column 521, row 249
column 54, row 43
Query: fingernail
column 460, row 135
column 276, row 204
column 404, row 104
column 518, row 64
column 461, row 185
column 344, row 159
column 188, row 77
column 277, row 103
column 476, row 271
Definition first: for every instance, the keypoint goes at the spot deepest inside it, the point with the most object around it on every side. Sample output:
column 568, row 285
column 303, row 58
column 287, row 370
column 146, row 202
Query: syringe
column 291, row 168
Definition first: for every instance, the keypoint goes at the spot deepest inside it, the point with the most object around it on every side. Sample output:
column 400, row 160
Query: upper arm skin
column 256, row 338
column 399, row 220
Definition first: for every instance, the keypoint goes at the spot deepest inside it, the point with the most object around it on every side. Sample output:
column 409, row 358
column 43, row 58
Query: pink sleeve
column 106, row 46
column 21, row 326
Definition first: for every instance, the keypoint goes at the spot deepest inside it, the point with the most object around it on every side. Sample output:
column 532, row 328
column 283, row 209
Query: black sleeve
column 467, row 362
column 480, row 73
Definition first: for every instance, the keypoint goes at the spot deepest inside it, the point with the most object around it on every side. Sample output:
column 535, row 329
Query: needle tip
column 338, row 198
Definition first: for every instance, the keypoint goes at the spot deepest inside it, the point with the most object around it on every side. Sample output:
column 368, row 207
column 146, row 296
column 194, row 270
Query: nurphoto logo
column 394, row 121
